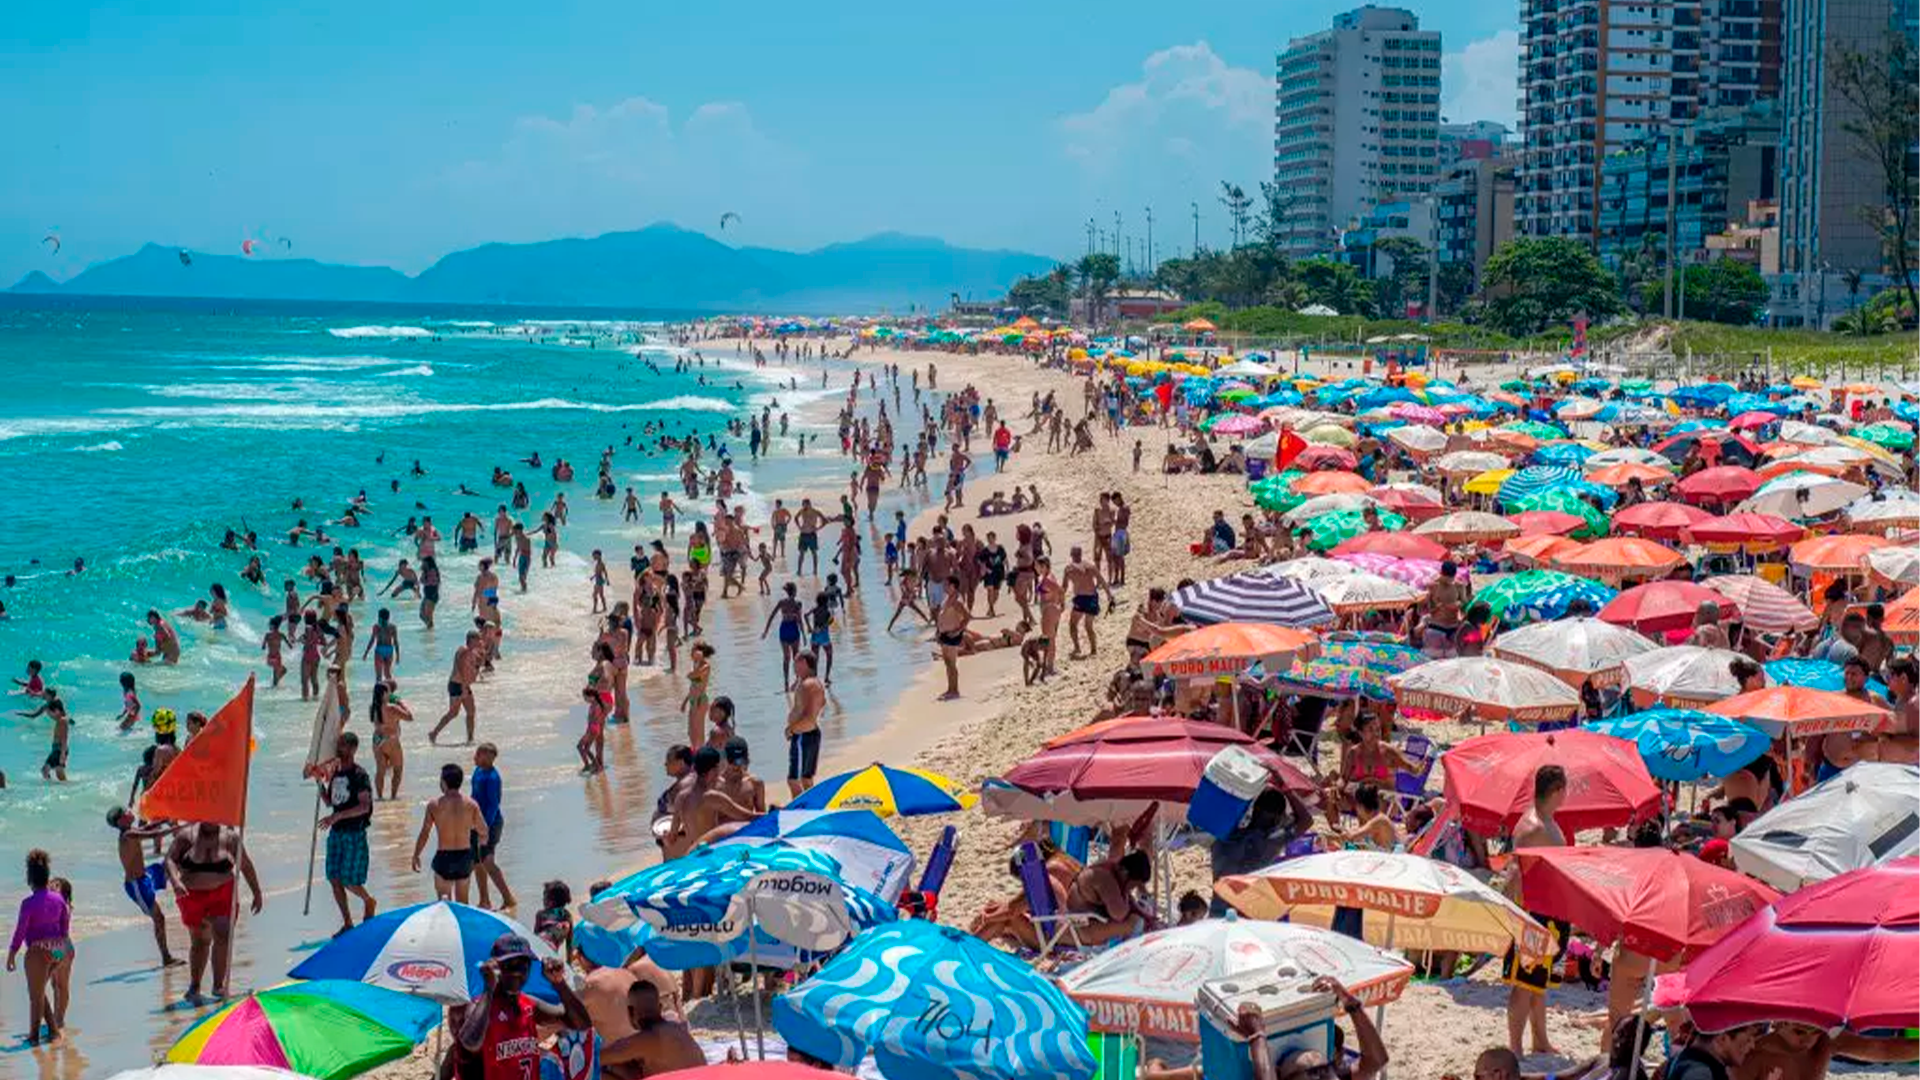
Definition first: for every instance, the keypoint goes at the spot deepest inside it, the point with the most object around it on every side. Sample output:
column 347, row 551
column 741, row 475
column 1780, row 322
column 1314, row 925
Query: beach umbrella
column 1258, row 596
column 1751, row 531
column 1238, row 424
column 1660, row 606
column 1764, row 606
column 1419, row 438
column 1628, row 455
column 1659, row 520
column 1310, row 568
column 1487, row 483
column 1832, row 460
column 1463, row 526
column 1866, row 816
column 1885, row 510
column 1802, row 712
column 1417, row 414
column 1715, row 446
column 930, row 1001
column 1722, row 484
column 1566, row 500
column 1660, row 903
column 1682, row 675
column 1534, row 479
column 721, row 903
column 1321, row 457
column 434, row 950
column 1414, row 505
column 1843, row 552
column 1685, row 745
column 206, row 1072
column 770, row 1069
column 1836, row 955
column 1534, row 429
column 1469, row 462
column 1248, row 368
column 1619, row 476
column 1578, row 408
column 1620, row 558
column 1329, row 504
column 326, row 1029
column 1330, row 531
column 1147, row 985
column 1889, row 436
column 1117, row 771
column 1491, row 688
column 1802, row 495
column 1539, row 550
column 1540, row 595
column 1547, row 523
column 1895, row 565
column 870, row 855
column 1903, row 618
column 1490, row 779
column 1406, row 901
column 886, row 790
column 1794, row 431
column 1276, row 492
column 1418, row 573
column 1338, row 679
column 1229, row 648
column 1372, row 649
column 1813, row 674
column 1331, row 482
column 1576, row 650
column 1366, row 592
column 1753, row 420
column 1560, row 455
column 1398, row 544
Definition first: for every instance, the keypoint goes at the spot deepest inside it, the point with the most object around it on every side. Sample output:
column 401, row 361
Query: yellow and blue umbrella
column 886, row 791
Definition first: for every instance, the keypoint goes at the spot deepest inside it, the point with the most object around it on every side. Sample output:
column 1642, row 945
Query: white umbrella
column 1325, row 434
column 1829, row 457
column 1419, row 438
column 1682, row 675
column 1577, row 408
column 1311, row 568
column 1801, row 495
column 1263, row 446
column 1574, row 649
column 1795, row 431
column 1626, row 455
column 1317, row 309
column 1466, row 525
column 1364, row 592
column 1248, row 369
column 1493, row 689
column 1885, row 510
column 1865, row 816
column 1147, row 985
column 1898, row 564
column 1469, row 462
column 1330, row 504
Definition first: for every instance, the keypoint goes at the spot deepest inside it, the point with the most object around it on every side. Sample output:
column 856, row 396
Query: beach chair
column 1116, row 1055
column 1052, row 926
column 1304, row 742
column 1410, row 789
column 923, row 900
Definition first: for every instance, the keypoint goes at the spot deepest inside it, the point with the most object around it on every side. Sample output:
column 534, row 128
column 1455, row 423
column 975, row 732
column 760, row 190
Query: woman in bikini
column 789, row 611
column 593, row 742
column 42, row 929
column 618, row 636
column 695, row 702
column 1368, row 761
column 384, row 644
column 389, row 756
column 271, row 644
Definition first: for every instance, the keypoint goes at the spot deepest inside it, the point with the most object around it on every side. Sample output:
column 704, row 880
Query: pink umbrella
column 1418, row 414
column 1418, row 573
column 1240, row 424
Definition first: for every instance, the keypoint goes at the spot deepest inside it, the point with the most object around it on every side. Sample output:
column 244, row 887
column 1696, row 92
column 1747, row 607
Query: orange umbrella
column 1514, row 440
column 1781, row 468
column 1229, row 648
column 1200, row 326
column 1627, row 471
column 1802, row 711
column 1539, row 549
column 1332, row 482
column 1903, row 618
column 1618, row 558
column 1842, row 551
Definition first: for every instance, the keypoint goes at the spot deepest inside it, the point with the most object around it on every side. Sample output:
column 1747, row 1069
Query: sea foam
column 379, row 331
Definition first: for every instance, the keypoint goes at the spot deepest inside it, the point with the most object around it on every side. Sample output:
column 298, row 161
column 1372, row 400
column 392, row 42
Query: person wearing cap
column 737, row 779
column 500, row 1028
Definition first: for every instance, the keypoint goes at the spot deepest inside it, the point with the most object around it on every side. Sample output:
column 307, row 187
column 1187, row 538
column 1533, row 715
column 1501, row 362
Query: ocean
column 135, row 433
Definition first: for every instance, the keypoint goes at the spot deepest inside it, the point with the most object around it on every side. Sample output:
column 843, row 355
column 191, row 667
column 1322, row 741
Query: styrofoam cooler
column 1228, row 785
column 1293, row 1015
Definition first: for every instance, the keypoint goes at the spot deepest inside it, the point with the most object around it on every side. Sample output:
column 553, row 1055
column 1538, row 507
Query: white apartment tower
column 1356, row 122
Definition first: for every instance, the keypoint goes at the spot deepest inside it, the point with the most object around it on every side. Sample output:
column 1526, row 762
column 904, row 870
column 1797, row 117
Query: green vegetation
column 1534, row 284
column 1723, row 291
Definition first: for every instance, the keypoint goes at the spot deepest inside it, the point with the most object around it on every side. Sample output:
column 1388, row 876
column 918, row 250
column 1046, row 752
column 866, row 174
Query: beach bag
column 1121, row 543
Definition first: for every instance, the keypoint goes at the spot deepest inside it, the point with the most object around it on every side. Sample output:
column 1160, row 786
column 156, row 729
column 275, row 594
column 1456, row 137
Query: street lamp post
column 1149, row 266
column 1196, row 230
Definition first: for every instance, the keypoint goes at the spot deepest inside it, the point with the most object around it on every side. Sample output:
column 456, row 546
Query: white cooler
column 1293, row 1017
column 1228, row 786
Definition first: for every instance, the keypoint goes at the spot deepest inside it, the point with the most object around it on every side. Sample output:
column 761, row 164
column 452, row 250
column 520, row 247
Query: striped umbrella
column 1258, row 596
column 1764, row 606
column 1366, row 592
column 1541, row 595
column 1566, row 500
column 1814, row 675
column 1535, row 478
column 433, row 950
column 1567, row 454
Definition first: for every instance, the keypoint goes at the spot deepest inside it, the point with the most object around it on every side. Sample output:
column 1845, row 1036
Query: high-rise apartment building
column 1598, row 75
column 1356, row 122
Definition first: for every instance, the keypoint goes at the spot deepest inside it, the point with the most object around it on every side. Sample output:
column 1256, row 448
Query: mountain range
column 660, row 266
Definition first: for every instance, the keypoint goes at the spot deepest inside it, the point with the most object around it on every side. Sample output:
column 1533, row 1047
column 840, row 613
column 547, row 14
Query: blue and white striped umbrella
column 932, row 1002
column 868, row 853
column 1685, row 745
column 715, row 905
column 1814, row 675
column 1256, row 596
column 1535, row 478
column 434, row 950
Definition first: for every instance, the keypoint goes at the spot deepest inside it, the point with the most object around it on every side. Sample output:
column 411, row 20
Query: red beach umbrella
column 1839, row 954
column 1655, row 901
column 1546, row 522
column 1660, row 606
column 1659, row 520
column 1752, row 421
column 1720, row 484
column 1400, row 545
column 1751, row 530
column 1490, row 779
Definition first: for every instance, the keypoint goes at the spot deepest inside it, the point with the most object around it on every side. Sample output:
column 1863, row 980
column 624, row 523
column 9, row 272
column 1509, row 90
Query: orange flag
column 208, row 780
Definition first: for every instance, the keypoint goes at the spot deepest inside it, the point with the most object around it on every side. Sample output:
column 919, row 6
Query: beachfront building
column 1478, row 139
column 1824, row 178
column 1717, row 165
column 1597, row 76
column 1754, row 240
column 1474, row 207
column 1356, row 122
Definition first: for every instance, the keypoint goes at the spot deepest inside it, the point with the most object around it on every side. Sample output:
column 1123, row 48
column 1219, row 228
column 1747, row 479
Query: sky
column 393, row 133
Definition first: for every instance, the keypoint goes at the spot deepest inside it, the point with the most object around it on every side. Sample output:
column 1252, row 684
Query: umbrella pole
column 1380, row 1010
column 1640, row 1017
column 753, row 987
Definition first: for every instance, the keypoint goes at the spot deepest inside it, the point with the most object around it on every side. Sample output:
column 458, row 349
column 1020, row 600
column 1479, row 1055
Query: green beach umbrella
column 1516, row 386
column 328, row 1029
column 1276, row 492
column 1332, row 530
column 1534, row 428
column 1566, row 502
column 1540, row 595
column 1893, row 438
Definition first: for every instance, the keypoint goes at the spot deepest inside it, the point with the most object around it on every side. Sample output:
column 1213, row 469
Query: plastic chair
column 1116, row 1056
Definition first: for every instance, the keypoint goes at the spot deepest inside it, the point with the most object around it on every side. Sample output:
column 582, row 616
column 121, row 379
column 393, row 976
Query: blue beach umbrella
column 871, row 857
column 1702, row 395
column 434, row 950
column 1562, row 454
column 1687, row 745
column 884, row 789
column 1698, row 423
column 931, row 1002
column 1814, row 675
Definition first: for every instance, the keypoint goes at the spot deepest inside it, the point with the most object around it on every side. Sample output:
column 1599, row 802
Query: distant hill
column 660, row 266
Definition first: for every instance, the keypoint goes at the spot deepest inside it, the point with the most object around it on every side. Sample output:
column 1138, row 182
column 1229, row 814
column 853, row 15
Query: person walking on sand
column 699, row 679
column 789, row 611
column 454, row 821
column 1084, row 583
column 143, row 880
column 485, row 787
column 1053, row 601
column 803, row 724
column 43, row 929
column 466, row 667
column 950, row 632
column 807, row 524
column 349, row 794
column 201, row 864
column 387, row 713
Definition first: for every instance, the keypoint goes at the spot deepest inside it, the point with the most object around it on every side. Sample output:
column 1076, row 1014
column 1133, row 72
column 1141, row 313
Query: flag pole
column 240, row 840
column 313, row 852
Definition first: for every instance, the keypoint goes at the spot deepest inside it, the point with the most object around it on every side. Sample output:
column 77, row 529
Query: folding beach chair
column 1116, row 1055
column 1410, row 789
column 1051, row 925
column 923, row 900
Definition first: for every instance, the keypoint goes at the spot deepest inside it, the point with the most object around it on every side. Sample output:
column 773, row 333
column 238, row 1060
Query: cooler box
column 1228, row 785
column 1256, row 468
column 1293, row 1017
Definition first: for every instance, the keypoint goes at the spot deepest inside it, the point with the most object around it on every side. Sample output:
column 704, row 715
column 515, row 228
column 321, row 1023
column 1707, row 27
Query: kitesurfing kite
column 247, row 246
column 52, row 239
column 726, row 217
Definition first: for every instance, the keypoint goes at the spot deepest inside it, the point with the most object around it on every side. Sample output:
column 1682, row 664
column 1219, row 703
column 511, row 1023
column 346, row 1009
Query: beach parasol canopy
column 1541, row 595
column 1682, row 675
column 1535, row 551
column 1418, row 573
column 1465, row 526
column 1620, row 558
column 1813, row 674
column 1566, row 500
column 870, row 856
column 1547, row 523
column 1332, row 530
column 1885, row 510
column 1259, row 596
column 886, row 791
column 1534, row 479
column 1493, row 689
column 207, row 1072
column 1715, row 446
column 1397, row 544
column 1903, row 618
column 922, row 997
column 1331, row 482
column 1329, row 504
column 1868, row 815
column 1487, row 483
column 1660, row 606
column 1895, row 565
column 1764, row 606
column 1802, row 495
column 1489, row 778
column 1722, row 484
column 1575, row 650
column 1802, row 711
column 1238, row 424
column 1310, row 568
column 1338, row 680
column 433, row 950
column 326, row 1029
column 1415, row 502
column 1147, row 985
column 1836, row 955
column 1627, row 455
column 1469, row 462
column 1658, row 902
column 1228, row 649
column 1659, row 520
column 1366, row 592
column 1684, row 745
column 1751, row 531
column 1625, row 473
column 1843, row 552
column 1248, row 369
column 1406, row 901
column 1325, row 458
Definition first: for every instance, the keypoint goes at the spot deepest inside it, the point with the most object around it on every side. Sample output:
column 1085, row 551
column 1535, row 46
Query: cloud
column 1188, row 103
column 1482, row 80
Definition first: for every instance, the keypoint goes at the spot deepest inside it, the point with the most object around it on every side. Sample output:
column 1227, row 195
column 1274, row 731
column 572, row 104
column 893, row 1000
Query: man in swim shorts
column 143, row 880
column 457, row 825
column 803, row 723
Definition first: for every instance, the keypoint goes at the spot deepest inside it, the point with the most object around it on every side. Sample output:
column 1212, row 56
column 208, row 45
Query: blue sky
column 391, row 133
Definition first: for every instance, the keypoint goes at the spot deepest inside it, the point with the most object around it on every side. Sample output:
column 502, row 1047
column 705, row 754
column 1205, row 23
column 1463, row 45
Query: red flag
column 1291, row 446
column 208, row 780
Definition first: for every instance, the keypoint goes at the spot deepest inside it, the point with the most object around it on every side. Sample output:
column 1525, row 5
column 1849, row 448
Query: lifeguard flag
column 1291, row 446
column 208, row 780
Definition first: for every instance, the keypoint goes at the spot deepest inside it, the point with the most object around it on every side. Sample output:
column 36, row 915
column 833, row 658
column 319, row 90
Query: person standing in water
column 389, row 754
column 384, row 644
column 454, row 821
